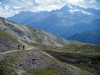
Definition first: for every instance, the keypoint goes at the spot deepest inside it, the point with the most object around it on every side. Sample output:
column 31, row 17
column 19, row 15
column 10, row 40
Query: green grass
column 46, row 71
column 7, row 36
column 71, row 48
column 6, row 68
column 8, row 41
column 78, row 48
column 88, row 62
column 43, row 46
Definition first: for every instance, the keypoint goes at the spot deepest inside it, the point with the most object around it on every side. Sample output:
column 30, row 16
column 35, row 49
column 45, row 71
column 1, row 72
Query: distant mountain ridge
column 65, row 22
column 92, row 36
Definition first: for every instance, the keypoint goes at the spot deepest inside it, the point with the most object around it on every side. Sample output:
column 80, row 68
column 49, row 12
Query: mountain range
column 64, row 22
column 63, row 19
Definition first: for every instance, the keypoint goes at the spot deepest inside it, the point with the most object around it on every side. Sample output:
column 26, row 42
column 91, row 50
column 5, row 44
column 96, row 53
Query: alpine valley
column 59, row 42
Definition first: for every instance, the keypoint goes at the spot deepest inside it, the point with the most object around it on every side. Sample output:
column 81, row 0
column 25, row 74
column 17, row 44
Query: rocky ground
column 22, row 61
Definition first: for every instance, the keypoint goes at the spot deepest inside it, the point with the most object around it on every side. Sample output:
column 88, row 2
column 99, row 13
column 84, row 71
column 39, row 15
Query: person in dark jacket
column 23, row 47
column 18, row 47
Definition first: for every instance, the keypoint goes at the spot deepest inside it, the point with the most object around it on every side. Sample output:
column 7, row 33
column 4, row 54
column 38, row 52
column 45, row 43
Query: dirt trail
column 30, row 48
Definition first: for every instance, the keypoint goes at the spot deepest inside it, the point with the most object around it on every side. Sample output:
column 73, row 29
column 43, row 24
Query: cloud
column 90, row 4
column 78, row 10
column 11, row 7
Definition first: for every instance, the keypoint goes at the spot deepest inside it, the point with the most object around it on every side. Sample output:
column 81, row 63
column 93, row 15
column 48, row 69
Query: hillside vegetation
column 81, row 55
column 7, row 41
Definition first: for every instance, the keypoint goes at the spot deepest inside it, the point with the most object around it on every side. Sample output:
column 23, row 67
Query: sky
column 9, row 8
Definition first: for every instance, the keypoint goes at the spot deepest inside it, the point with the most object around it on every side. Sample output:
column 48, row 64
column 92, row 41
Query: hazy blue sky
column 10, row 7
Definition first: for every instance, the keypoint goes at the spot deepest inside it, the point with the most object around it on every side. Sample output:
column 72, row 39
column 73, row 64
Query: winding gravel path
column 3, row 53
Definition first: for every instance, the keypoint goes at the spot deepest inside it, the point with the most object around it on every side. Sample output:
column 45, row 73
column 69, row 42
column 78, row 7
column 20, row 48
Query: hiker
column 18, row 47
column 23, row 47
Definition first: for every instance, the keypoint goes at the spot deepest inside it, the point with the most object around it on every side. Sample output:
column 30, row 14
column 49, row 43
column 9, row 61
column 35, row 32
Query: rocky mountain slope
column 11, row 33
column 7, row 41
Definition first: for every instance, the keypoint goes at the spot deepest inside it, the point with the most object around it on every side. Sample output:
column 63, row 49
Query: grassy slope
column 7, row 41
column 81, row 55
column 46, row 71
column 9, row 67
column 6, row 68
column 7, row 36
column 78, row 48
